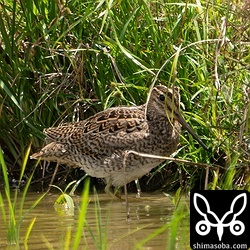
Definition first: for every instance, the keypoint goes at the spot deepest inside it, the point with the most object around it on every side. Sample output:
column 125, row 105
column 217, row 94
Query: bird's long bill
column 189, row 129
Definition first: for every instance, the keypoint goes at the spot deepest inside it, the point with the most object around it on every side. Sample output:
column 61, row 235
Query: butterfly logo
column 203, row 227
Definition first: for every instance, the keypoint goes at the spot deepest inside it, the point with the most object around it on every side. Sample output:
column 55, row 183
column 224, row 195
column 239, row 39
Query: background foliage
column 62, row 61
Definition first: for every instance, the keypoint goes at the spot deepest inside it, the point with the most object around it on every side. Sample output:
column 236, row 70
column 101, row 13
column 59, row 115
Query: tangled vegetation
column 63, row 61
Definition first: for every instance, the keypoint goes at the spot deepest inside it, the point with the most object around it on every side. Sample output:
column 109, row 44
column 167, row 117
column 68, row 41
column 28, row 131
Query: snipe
column 97, row 144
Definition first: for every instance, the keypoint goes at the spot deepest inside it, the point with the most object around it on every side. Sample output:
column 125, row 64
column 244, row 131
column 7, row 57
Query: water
column 148, row 213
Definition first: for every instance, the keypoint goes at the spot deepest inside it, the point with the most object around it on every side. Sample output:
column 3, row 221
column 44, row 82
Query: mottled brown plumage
column 97, row 144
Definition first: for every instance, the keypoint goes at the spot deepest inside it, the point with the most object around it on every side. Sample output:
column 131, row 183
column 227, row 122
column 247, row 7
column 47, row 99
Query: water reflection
column 51, row 227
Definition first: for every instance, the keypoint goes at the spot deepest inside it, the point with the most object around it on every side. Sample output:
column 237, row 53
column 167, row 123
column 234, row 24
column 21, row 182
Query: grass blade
column 82, row 215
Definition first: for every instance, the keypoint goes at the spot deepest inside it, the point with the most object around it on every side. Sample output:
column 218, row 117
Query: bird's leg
column 127, row 205
column 108, row 191
column 125, row 186
column 117, row 193
column 138, row 187
column 53, row 176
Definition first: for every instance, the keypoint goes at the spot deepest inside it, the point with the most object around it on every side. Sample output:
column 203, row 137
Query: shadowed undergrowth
column 63, row 61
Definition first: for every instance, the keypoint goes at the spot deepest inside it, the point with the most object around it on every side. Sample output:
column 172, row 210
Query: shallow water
column 148, row 213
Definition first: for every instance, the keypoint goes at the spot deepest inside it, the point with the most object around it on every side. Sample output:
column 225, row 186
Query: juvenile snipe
column 97, row 144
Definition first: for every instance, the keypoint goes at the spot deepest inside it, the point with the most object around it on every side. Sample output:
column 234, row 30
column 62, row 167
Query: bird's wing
column 115, row 127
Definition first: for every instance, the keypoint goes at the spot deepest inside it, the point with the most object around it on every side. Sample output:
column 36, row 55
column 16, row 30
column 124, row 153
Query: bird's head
column 165, row 102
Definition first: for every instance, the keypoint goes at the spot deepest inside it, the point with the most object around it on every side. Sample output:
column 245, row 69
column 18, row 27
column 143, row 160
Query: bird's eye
column 162, row 97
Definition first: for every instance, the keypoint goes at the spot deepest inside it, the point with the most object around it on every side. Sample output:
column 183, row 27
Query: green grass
column 64, row 205
column 98, row 231
column 62, row 61
column 173, row 229
column 13, row 211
